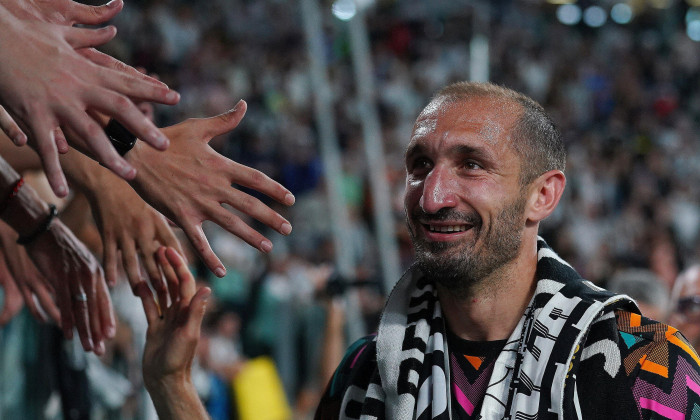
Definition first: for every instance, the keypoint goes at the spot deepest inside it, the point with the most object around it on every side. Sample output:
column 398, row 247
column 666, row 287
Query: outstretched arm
column 171, row 342
column 75, row 275
column 190, row 182
column 128, row 226
column 50, row 77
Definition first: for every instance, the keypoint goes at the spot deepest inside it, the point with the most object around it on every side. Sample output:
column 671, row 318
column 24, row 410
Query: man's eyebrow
column 413, row 149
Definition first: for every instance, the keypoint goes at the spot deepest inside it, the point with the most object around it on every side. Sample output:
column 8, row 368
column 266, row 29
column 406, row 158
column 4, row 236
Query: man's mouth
column 447, row 228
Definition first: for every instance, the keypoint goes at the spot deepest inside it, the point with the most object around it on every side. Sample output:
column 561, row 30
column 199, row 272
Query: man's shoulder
column 630, row 363
column 642, row 335
column 357, row 369
column 358, row 365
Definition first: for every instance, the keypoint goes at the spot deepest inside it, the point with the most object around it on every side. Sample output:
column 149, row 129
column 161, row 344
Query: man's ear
column 544, row 194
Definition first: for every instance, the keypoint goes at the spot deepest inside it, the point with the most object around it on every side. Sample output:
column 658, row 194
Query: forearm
column 177, row 401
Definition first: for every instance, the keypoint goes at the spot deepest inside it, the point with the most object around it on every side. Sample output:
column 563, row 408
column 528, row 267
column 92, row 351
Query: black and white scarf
column 528, row 381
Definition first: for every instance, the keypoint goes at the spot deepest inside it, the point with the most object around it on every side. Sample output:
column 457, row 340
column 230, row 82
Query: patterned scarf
column 529, row 377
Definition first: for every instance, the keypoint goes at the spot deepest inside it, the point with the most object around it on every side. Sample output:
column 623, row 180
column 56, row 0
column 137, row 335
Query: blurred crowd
column 626, row 98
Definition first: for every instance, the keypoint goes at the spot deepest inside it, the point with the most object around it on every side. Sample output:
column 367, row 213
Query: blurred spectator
column 685, row 310
column 646, row 288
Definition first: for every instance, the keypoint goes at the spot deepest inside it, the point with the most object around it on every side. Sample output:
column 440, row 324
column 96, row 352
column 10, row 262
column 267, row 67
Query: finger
column 46, row 147
column 64, row 304
column 196, row 311
column 184, row 276
column 149, row 304
column 46, row 301
column 61, row 142
column 93, row 15
column 79, row 308
column 123, row 110
column 169, row 274
column 148, row 255
column 238, row 227
column 223, row 123
column 104, row 60
column 11, row 129
column 130, row 260
column 96, row 142
column 93, row 315
column 257, row 209
column 104, row 303
column 200, row 244
column 31, row 303
column 86, row 38
column 136, row 87
column 258, row 181
column 166, row 236
column 110, row 261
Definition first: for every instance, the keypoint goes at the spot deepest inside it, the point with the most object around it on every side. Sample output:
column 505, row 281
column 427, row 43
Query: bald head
column 534, row 136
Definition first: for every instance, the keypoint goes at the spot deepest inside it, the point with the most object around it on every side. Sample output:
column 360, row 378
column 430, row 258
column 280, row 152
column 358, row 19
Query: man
column 490, row 322
column 685, row 310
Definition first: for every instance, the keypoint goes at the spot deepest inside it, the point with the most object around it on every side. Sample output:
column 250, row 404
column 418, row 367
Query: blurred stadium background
column 333, row 88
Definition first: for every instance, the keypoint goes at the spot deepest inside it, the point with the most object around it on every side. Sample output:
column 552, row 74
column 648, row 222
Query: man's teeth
column 443, row 229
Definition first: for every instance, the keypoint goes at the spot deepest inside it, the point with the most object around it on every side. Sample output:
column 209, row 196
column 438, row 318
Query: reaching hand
column 77, row 279
column 173, row 331
column 190, row 181
column 130, row 226
column 25, row 279
column 50, row 77
column 171, row 341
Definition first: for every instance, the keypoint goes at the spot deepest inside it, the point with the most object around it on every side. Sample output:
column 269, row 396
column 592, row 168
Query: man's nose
column 438, row 191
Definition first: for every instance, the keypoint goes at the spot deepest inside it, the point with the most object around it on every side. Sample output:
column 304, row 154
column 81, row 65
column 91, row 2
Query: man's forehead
column 486, row 116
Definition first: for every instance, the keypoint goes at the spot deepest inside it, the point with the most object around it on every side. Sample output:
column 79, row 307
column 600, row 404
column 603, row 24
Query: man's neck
column 491, row 309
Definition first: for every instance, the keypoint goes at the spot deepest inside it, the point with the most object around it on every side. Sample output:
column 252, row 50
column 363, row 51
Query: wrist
column 26, row 212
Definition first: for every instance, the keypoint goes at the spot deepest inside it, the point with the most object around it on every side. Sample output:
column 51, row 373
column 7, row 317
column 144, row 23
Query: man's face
column 464, row 203
column 686, row 313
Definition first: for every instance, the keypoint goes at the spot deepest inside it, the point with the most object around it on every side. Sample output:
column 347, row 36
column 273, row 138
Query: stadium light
column 569, row 14
column 595, row 16
column 344, row 9
column 621, row 13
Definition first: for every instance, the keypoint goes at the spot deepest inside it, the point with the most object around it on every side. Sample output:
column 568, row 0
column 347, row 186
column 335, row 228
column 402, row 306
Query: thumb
column 93, row 15
column 223, row 123
column 85, row 38
column 195, row 314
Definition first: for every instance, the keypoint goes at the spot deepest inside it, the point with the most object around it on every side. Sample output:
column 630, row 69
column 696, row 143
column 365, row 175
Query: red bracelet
column 13, row 194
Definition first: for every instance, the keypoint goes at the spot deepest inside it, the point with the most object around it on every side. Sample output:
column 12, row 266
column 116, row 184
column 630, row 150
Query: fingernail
column 100, row 348
column 286, row 229
column 20, row 139
column 61, row 191
column 220, row 272
column 266, row 246
column 289, row 199
column 88, row 345
column 238, row 104
column 111, row 331
column 205, row 295
column 113, row 3
column 172, row 96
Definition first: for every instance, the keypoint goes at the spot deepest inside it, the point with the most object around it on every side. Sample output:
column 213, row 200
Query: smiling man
column 489, row 322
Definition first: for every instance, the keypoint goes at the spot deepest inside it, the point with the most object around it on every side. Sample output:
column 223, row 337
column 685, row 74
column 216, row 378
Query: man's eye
column 472, row 165
column 420, row 163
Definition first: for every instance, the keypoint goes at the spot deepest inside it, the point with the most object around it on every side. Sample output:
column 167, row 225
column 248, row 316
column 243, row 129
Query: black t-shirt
column 471, row 365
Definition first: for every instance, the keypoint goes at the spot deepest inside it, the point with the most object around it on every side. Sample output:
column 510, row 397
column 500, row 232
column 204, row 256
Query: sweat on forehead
column 489, row 113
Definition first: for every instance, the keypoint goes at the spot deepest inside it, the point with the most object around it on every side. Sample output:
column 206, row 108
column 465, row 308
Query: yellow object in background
column 258, row 392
